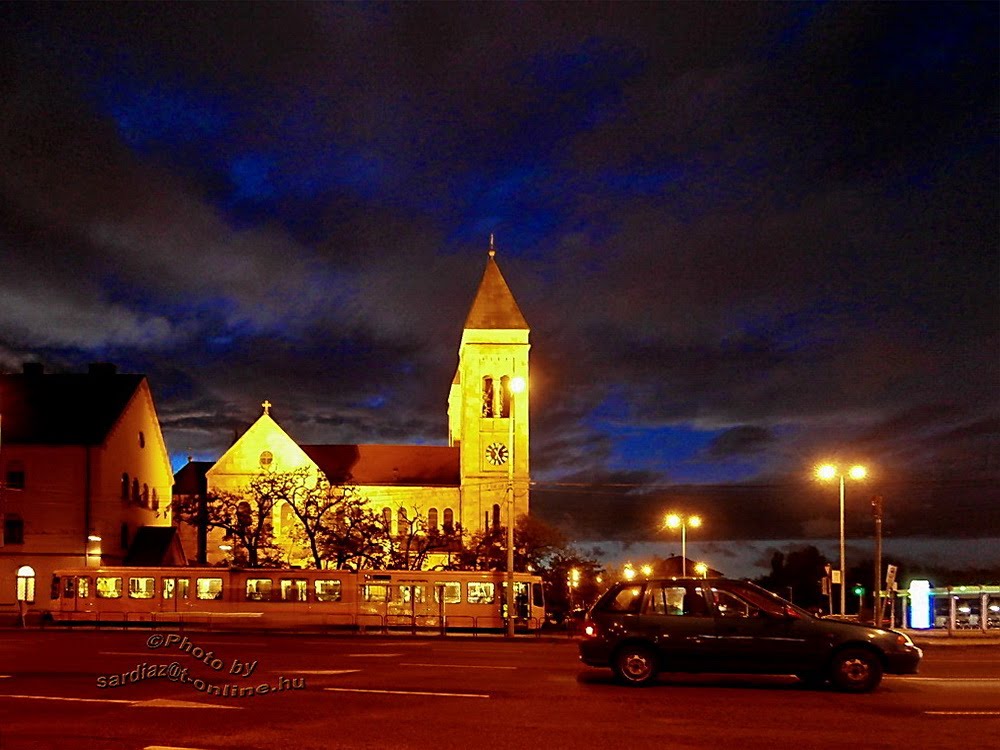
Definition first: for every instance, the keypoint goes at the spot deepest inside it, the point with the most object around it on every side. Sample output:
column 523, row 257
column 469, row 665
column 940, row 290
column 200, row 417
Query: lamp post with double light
column 826, row 472
column 675, row 521
column 515, row 385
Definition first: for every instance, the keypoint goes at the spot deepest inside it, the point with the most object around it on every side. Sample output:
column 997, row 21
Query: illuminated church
column 464, row 483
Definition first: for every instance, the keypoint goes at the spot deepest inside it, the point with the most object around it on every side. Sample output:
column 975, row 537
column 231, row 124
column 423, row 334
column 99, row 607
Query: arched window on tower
column 488, row 397
column 496, row 516
column 136, row 498
column 403, row 521
column 449, row 520
column 505, row 396
column 126, row 483
column 432, row 519
column 387, row 519
column 287, row 519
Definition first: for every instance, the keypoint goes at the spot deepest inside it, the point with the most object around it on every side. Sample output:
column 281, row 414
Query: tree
column 246, row 517
column 799, row 574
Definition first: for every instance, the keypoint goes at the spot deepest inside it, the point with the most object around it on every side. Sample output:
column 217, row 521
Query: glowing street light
column 826, row 472
column 629, row 572
column 701, row 569
column 674, row 521
column 647, row 570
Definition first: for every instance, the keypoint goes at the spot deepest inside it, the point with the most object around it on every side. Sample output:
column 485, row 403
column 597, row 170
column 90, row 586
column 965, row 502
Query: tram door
column 175, row 594
column 522, row 603
column 75, row 593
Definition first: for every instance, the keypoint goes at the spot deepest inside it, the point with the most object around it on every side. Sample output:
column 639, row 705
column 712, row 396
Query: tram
column 296, row 599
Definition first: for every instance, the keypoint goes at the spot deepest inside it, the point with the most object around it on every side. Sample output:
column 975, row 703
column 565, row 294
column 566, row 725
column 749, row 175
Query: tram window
column 327, row 590
column 258, row 589
column 54, row 591
column 169, row 587
column 480, row 592
column 175, row 587
column 83, row 587
column 293, row 589
column 183, row 588
column 412, row 593
column 109, row 587
column 452, row 592
column 140, row 588
column 208, row 588
column 376, row 592
column 537, row 596
column 69, row 587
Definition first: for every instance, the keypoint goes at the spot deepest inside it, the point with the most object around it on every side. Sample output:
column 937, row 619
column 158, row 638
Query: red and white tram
column 277, row 598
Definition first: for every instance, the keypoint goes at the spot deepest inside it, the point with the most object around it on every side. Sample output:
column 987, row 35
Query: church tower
column 487, row 417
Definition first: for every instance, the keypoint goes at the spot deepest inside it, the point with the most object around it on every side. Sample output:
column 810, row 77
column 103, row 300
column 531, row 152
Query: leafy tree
column 797, row 574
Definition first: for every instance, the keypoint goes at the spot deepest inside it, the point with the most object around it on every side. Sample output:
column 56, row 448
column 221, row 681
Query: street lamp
column 701, row 569
column 826, row 472
column 629, row 572
column 515, row 386
column 674, row 521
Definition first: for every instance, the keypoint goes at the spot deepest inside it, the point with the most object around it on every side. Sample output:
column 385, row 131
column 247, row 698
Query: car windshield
column 624, row 598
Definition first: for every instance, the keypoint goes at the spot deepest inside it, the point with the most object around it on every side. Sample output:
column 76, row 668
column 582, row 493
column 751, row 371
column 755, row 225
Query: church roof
column 408, row 465
column 190, row 479
column 494, row 306
column 64, row 409
column 155, row 545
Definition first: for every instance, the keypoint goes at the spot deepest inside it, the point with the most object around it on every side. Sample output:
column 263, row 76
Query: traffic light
column 859, row 590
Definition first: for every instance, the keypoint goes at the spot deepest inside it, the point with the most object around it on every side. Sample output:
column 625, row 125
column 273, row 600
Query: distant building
column 462, row 483
column 84, row 474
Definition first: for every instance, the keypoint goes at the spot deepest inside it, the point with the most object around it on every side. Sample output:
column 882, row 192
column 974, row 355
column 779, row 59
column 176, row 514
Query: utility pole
column 877, row 512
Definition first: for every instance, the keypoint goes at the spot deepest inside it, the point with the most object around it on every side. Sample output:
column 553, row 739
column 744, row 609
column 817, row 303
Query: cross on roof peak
column 267, row 406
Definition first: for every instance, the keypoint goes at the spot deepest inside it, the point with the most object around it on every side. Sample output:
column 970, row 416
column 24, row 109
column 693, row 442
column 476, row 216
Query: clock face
column 497, row 453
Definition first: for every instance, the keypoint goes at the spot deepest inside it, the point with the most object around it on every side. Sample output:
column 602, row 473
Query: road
column 405, row 692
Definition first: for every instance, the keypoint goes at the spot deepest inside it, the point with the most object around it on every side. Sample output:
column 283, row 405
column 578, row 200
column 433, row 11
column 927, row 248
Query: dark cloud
column 747, row 236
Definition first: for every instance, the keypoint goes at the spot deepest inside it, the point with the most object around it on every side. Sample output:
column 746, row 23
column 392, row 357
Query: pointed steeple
column 494, row 306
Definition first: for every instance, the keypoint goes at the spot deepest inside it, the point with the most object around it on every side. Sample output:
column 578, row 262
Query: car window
column 665, row 599
column 730, row 605
column 627, row 599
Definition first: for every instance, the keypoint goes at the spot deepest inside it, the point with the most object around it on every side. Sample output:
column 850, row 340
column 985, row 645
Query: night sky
column 747, row 237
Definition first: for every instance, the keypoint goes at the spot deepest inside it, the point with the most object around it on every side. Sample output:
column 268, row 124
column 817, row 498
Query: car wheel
column 856, row 670
column 635, row 665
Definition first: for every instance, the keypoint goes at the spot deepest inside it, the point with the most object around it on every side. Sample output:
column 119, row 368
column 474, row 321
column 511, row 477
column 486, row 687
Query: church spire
column 494, row 306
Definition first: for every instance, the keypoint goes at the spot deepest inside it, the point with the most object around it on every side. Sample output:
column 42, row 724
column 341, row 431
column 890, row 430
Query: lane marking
column 962, row 713
column 151, row 652
column 168, row 747
column 451, row 666
column 407, row 692
column 314, row 671
column 946, row 679
column 154, row 703
column 373, row 656
column 5, row 676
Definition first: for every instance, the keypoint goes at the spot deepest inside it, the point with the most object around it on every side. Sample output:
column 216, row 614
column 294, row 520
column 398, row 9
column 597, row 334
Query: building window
column 26, row 584
column 496, row 516
column 432, row 519
column 156, row 500
column 266, row 459
column 125, row 486
column 15, row 475
column 488, row 397
column 142, row 440
column 403, row 521
column 505, row 396
column 145, row 495
column 135, row 491
column 123, row 536
column 287, row 519
column 13, row 530
column 449, row 520
column 387, row 519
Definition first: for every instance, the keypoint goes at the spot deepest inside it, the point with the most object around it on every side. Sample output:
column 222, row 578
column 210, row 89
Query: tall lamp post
column 674, row 521
column 515, row 385
column 827, row 472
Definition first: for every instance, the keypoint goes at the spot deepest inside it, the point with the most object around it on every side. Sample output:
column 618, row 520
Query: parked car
column 735, row 627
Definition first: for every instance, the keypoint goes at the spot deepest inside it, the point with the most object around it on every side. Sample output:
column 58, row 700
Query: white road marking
column 949, row 679
column 314, row 671
column 5, row 676
column 151, row 652
column 451, row 666
column 962, row 713
column 407, row 692
column 155, row 703
column 379, row 656
column 168, row 747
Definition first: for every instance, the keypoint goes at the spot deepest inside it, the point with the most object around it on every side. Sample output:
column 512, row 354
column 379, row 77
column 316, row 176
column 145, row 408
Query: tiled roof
column 64, row 409
column 407, row 465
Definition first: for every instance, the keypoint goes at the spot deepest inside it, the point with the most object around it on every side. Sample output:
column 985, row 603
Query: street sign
column 836, row 576
column 890, row 577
